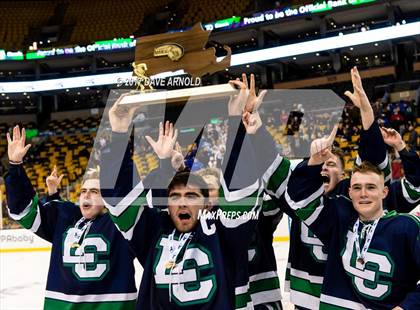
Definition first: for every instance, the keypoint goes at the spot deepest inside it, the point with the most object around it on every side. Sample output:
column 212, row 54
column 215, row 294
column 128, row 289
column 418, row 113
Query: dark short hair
column 186, row 177
column 367, row 167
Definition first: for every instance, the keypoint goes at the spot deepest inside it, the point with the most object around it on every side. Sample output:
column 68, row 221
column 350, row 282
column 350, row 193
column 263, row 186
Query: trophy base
column 179, row 95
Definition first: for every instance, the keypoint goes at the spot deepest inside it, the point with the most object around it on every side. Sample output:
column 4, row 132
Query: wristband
column 15, row 162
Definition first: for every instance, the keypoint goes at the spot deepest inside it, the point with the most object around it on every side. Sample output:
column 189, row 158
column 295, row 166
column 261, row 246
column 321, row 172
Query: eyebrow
column 186, row 194
column 360, row 184
column 89, row 189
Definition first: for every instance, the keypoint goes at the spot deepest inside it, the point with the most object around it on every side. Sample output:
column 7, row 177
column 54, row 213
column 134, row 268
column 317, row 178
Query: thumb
column 332, row 135
column 328, row 153
column 260, row 99
column 60, row 178
column 350, row 95
column 150, row 141
column 25, row 150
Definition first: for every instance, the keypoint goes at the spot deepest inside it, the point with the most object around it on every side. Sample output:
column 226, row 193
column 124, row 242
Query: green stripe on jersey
column 413, row 194
column 287, row 275
column 324, row 306
column 53, row 304
column 264, row 285
column 279, row 175
column 307, row 211
column 269, row 205
column 245, row 204
column 127, row 219
column 242, row 300
column 305, row 286
column 28, row 220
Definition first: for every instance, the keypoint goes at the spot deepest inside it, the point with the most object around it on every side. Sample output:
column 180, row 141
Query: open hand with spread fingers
column 164, row 145
column 16, row 148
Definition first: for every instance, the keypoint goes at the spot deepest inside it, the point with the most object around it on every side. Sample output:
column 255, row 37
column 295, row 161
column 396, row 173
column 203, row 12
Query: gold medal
column 170, row 264
column 75, row 245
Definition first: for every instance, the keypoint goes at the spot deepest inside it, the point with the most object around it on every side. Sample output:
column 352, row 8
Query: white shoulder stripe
column 91, row 297
column 296, row 205
column 126, row 201
column 301, row 299
column 238, row 194
column 263, row 275
column 342, row 302
column 305, row 275
column 21, row 215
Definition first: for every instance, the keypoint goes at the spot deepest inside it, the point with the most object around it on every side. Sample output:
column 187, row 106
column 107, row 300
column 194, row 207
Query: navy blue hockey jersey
column 389, row 277
column 211, row 272
column 99, row 274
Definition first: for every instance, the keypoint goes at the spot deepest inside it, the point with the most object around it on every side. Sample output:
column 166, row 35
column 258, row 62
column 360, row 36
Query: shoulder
column 405, row 222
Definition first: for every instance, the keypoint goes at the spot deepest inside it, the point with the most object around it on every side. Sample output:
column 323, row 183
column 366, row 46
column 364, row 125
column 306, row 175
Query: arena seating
column 107, row 19
column 211, row 10
column 68, row 144
column 17, row 19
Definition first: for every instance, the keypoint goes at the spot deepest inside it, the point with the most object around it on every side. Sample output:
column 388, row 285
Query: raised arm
column 404, row 195
column 305, row 190
column 371, row 146
column 22, row 200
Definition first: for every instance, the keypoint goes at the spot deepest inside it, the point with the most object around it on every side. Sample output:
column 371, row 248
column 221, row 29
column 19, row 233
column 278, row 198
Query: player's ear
column 385, row 192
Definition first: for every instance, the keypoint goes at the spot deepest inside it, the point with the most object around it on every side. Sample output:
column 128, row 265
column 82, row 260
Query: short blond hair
column 91, row 173
column 367, row 167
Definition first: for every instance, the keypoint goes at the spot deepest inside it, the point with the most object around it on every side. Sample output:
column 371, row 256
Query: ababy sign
column 20, row 239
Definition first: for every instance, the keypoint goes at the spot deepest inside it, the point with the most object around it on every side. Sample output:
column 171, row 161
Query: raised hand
column 393, row 138
column 358, row 97
column 16, row 148
column 246, row 99
column 253, row 102
column 165, row 143
column 120, row 116
column 321, row 148
column 53, row 181
column 360, row 100
column 177, row 159
column 237, row 102
column 251, row 121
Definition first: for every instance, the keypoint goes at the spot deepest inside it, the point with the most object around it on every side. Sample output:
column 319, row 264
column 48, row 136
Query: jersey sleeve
column 275, row 169
column 404, row 195
column 128, row 198
column 240, row 190
column 25, row 207
column 412, row 300
column 304, row 195
column 372, row 148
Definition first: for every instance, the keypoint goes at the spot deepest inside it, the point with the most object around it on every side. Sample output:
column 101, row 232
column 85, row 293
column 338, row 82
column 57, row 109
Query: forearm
column 19, row 189
column 372, row 147
column 118, row 175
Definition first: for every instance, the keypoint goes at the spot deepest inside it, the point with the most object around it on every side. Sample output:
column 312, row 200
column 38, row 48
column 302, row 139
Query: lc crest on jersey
column 368, row 279
column 184, row 280
column 86, row 260
column 310, row 240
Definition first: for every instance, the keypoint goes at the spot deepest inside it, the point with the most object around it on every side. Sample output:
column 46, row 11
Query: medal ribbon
column 370, row 231
column 78, row 233
column 174, row 250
